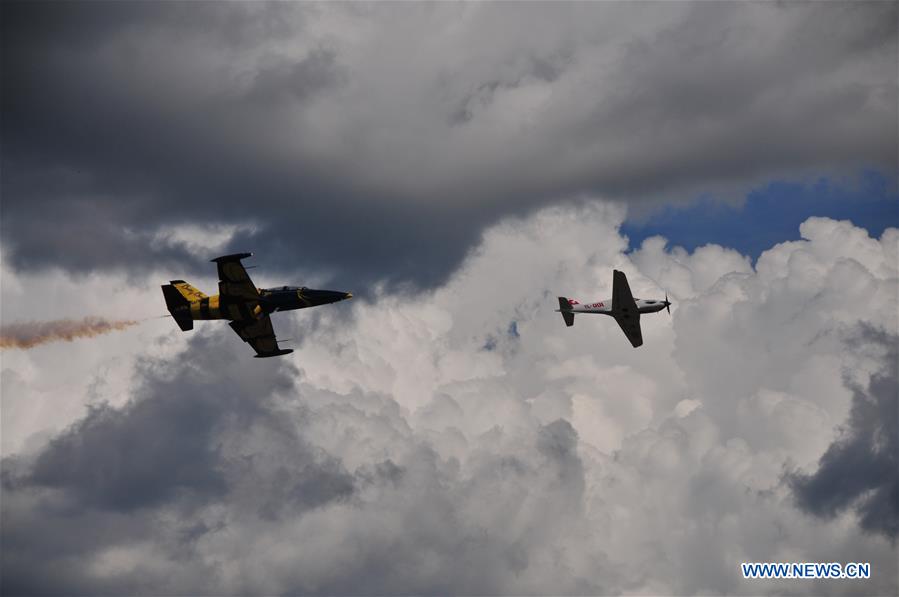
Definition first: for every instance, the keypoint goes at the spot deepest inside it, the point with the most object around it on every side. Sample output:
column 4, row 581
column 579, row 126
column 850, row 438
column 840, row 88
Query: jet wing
column 624, row 309
column 259, row 334
column 234, row 282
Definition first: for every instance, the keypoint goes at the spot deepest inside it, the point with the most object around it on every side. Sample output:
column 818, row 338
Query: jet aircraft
column 246, row 307
column 622, row 306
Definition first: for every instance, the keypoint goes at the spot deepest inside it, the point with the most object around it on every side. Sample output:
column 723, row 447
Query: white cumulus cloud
column 464, row 440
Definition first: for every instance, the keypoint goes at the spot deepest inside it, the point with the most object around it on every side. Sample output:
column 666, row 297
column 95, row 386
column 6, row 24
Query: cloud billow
column 860, row 470
column 173, row 453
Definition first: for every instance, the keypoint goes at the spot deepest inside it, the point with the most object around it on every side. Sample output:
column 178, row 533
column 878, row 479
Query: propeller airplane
column 622, row 306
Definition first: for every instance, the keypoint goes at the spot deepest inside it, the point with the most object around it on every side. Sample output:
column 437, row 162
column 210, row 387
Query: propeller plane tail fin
column 565, row 310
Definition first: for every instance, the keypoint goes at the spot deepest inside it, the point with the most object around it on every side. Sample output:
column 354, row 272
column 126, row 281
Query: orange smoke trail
column 30, row 334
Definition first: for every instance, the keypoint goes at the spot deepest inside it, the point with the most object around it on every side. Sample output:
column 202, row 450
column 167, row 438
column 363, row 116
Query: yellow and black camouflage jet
column 245, row 306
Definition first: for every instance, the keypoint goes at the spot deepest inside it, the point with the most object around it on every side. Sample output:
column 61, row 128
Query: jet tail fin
column 178, row 306
column 565, row 310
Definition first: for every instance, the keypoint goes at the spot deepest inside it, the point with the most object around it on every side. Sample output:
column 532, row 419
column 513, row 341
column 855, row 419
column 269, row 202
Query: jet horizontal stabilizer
column 231, row 257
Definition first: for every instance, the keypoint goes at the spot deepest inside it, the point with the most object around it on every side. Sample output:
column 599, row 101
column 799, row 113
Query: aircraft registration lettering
column 597, row 305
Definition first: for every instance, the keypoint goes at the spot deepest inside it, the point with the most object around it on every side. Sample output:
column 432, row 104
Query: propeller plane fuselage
column 605, row 307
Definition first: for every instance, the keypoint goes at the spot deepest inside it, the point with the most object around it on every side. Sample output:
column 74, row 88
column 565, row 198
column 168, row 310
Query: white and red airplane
column 622, row 306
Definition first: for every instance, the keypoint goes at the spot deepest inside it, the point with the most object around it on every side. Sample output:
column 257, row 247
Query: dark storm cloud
column 295, row 81
column 710, row 100
column 860, row 470
column 168, row 454
column 359, row 151
column 200, row 475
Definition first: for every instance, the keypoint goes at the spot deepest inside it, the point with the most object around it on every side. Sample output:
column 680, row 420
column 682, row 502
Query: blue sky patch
column 772, row 214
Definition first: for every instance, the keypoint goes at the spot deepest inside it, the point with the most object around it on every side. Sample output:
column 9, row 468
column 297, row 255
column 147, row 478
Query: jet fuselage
column 282, row 298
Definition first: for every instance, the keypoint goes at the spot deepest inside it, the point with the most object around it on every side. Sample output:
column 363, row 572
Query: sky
column 771, row 213
column 457, row 166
